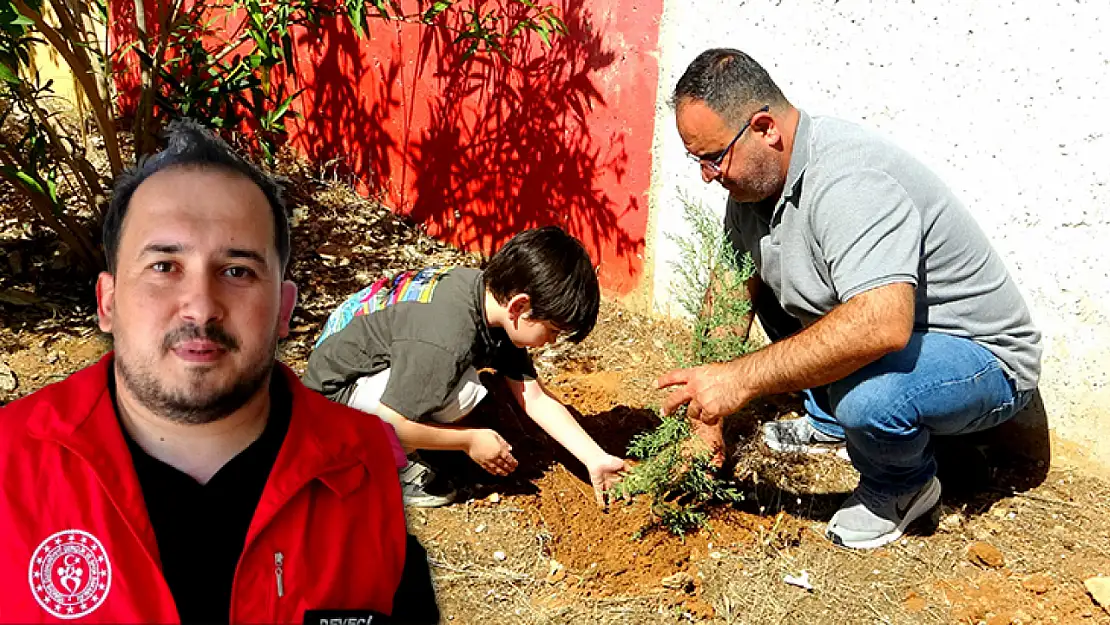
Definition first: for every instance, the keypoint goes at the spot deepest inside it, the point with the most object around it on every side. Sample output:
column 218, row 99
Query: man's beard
column 194, row 408
column 762, row 181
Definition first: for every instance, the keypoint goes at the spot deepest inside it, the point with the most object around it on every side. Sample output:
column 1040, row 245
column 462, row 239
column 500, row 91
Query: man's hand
column 712, row 392
column 491, row 452
column 604, row 474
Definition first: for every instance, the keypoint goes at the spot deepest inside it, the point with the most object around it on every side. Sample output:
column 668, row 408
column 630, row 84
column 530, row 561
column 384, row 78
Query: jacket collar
column 78, row 413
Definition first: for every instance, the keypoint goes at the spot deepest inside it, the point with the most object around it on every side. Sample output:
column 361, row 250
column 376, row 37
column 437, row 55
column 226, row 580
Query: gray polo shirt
column 857, row 212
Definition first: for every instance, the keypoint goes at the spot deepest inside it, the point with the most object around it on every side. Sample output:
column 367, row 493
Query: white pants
column 368, row 391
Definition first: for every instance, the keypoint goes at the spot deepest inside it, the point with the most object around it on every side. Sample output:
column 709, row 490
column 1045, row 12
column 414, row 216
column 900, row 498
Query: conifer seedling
column 675, row 468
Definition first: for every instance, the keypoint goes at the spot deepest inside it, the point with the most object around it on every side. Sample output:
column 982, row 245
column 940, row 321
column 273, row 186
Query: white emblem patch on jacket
column 70, row 574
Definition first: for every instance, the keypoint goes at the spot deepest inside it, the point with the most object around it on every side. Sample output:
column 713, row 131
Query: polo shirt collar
column 799, row 158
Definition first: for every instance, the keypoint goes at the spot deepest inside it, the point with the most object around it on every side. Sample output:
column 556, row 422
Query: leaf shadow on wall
column 508, row 143
column 344, row 131
column 528, row 155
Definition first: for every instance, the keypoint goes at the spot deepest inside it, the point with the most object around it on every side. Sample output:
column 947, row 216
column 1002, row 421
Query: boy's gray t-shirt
column 857, row 212
column 427, row 327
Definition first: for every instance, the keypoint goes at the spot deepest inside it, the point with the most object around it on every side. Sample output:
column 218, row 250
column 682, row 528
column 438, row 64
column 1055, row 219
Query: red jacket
column 76, row 541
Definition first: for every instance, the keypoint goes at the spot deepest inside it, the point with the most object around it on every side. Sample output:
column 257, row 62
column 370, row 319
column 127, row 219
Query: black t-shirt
column 201, row 528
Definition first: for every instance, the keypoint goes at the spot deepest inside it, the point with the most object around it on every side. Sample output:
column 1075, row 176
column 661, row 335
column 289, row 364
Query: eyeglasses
column 711, row 163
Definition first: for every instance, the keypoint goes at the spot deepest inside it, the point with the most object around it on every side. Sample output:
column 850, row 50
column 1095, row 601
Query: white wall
column 1007, row 101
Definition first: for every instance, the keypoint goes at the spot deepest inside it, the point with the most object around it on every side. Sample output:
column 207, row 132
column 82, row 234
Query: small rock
column 716, row 555
column 52, row 357
column 951, row 522
column 699, row 610
column 481, row 528
column 8, row 381
column 493, row 498
column 499, row 556
column 985, row 554
column 914, row 603
column 1099, row 587
column 801, row 581
column 1038, row 583
column 556, row 572
column 679, row 581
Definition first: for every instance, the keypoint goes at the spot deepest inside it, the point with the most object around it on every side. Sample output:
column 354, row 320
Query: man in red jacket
column 184, row 477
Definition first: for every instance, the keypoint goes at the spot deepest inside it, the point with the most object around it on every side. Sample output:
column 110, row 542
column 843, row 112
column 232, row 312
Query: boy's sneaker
column 798, row 436
column 418, row 489
column 869, row 520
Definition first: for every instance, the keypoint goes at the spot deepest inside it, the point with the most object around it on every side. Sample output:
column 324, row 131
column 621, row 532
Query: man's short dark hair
column 730, row 82
column 188, row 144
column 556, row 273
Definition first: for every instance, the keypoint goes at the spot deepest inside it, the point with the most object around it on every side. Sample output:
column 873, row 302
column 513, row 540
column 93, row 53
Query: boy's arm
column 485, row 447
column 551, row 415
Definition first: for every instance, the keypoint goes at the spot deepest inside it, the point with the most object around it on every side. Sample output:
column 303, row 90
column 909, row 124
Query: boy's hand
column 491, row 452
column 604, row 474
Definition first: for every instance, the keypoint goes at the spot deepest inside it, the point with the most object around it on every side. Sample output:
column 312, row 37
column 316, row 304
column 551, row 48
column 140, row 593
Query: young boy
column 407, row 349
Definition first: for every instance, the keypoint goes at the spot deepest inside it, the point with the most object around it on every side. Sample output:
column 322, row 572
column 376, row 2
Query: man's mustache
column 211, row 332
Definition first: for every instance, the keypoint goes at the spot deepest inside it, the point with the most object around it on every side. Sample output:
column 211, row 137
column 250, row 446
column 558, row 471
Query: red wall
column 480, row 149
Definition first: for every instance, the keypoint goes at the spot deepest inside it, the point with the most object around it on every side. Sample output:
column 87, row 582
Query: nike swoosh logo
column 901, row 510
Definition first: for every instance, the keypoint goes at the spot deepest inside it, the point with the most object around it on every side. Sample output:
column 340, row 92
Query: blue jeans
column 888, row 410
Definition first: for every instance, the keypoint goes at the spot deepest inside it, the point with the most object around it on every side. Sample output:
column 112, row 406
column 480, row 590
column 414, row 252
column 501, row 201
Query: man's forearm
column 853, row 335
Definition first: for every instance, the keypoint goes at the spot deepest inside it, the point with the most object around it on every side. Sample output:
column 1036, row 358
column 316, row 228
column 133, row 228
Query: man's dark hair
column 188, row 144
column 730, row 82
column 556, row 273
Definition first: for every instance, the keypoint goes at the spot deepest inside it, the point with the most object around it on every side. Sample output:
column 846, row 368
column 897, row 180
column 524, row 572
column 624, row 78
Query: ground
column 1012, row 542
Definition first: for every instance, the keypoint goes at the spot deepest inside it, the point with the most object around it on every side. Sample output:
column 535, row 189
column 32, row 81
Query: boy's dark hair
column 730, row 82
column 556, row 273
column 188, row 144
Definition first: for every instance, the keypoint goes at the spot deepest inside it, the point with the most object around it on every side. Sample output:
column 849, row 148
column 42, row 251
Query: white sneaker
column 868, row 520
column 415, row 479
column 798, row 436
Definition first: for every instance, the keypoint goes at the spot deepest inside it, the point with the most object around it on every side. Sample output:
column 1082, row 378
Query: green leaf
column 22, row 20
column 52, row 193
column 280, row 111
column 436, row 9
column 7, row 75
column 29, row 182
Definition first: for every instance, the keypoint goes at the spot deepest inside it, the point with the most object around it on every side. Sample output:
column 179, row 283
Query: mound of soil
column 603, row 551
column 606, row 552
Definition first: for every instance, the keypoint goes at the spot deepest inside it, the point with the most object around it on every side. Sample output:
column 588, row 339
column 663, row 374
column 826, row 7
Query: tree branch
column 83, row 72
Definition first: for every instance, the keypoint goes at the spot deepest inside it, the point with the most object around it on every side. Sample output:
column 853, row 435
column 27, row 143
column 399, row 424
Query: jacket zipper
column 279, row 573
